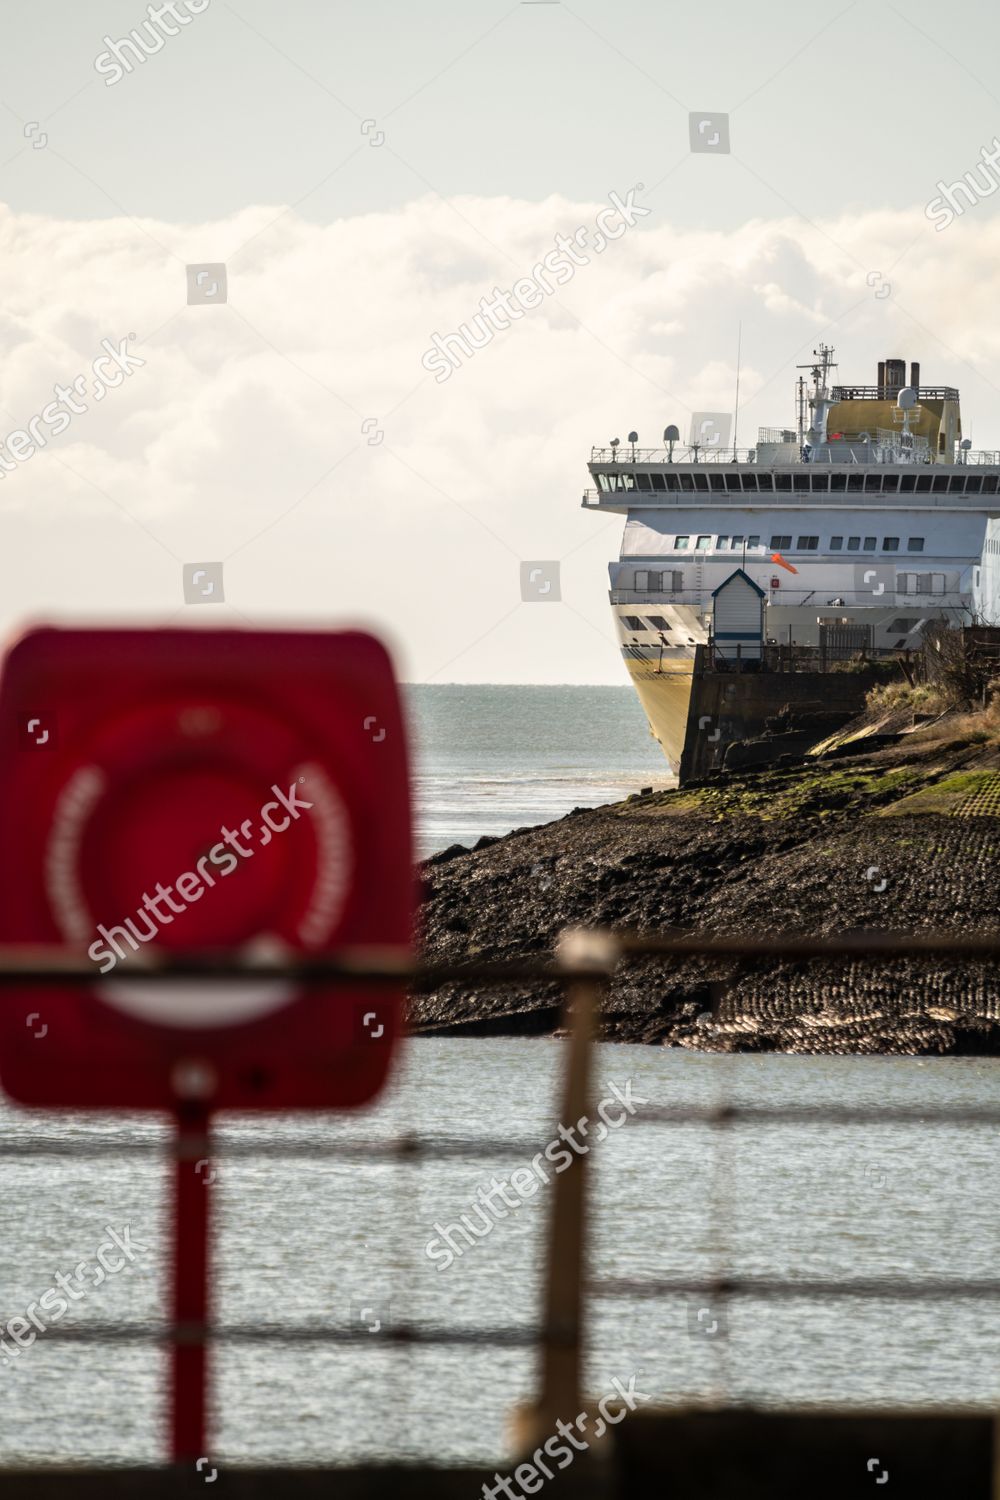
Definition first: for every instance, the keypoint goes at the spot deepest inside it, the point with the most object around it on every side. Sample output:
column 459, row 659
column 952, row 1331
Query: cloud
column 250, row 433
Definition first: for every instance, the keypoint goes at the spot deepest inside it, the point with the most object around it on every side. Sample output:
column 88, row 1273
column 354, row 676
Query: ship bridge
column 654, row 479
column 893, row 443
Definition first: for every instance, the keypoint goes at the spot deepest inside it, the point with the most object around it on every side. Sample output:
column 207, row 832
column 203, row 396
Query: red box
column 201, row 790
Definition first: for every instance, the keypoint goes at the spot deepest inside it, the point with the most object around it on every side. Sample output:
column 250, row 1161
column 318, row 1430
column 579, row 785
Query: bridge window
column 836, row 543
column 807, row 544
column 853, row 543
column 703, row 544
column 633, row 622
column 753, row 541
column 658, row 622
column 915, row 544
column 681, row 543
column 870, row 544
column 780, row 543
column 890, row 544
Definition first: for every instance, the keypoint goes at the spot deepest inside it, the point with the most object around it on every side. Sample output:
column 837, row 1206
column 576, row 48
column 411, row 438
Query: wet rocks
column 809, row 849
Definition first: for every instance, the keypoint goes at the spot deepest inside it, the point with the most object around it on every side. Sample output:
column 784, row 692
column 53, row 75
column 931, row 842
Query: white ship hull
column 843, row 537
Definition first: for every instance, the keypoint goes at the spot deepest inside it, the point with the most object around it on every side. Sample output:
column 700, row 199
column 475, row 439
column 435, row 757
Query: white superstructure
column 869, row 518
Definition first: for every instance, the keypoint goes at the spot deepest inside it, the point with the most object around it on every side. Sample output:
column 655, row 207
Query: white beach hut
column 738, row 618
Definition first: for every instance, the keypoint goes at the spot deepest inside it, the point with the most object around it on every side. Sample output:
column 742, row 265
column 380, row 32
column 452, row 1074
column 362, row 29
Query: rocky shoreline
column 905, row 837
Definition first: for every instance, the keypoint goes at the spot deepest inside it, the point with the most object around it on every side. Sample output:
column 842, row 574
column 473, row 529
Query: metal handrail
column 583, row 965
column 889, row 393
column 292, row 1333
column 823, row 1114
column 682, row 454
column 582, row 953
column 623, row 457
column 852, row 598
column 790, row 1286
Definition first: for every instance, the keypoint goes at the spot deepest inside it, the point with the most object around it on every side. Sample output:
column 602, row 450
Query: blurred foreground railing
column 584, row 965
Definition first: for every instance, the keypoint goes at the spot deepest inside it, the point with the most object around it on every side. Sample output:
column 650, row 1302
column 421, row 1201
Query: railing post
column 560, row 1394
column 190, row 1353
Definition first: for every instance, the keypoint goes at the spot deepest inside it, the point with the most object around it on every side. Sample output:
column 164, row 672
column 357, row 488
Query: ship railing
column 878, row 456
column 891, row 441
column 824, row 600
column 889, row 393
column 704, row 453
column 979, row 456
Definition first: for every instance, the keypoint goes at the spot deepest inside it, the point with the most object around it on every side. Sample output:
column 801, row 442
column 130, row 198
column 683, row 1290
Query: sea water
column 325, row 1240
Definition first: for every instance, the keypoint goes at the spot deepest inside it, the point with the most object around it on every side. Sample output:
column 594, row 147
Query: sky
column 276, row 445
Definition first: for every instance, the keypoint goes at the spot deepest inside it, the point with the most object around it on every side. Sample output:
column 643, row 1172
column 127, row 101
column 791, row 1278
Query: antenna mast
column 819, row 401
column 823, row 362
column 736, row 414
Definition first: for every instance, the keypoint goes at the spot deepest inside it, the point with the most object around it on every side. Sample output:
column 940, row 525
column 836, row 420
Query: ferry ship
column 862, row 524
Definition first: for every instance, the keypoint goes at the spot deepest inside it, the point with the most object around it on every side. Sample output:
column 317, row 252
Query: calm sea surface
column 488, row 759
column 325, row 1240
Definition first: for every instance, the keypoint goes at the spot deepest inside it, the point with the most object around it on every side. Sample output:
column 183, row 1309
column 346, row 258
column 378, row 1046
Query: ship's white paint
column 884, row 531
column 986, row 578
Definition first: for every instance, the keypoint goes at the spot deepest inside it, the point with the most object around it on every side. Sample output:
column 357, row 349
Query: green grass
column 808, row 791
column 943, row 797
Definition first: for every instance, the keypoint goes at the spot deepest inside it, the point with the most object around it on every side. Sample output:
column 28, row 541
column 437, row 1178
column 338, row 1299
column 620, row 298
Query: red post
column 189, row 1357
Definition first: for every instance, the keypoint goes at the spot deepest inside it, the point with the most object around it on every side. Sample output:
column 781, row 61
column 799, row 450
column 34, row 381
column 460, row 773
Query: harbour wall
column 743, row 719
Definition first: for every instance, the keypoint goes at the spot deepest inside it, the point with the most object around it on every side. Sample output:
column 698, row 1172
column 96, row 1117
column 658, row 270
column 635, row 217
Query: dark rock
column 766, row 849
column 444, row 855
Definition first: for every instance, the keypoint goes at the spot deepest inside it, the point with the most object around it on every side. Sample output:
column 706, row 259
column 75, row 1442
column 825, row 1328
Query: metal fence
column 584, row 965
